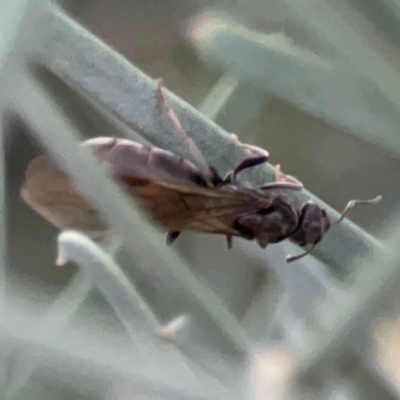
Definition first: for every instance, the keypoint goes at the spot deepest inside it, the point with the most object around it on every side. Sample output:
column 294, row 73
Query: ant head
column 313, row 224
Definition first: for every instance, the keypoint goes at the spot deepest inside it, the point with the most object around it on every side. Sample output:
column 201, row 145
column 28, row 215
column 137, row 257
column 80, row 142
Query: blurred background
column 314, row 83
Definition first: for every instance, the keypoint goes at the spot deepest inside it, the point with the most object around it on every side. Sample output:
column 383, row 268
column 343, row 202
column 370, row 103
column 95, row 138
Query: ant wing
column 50, row 193
column 187, row 206
column 174, row 190
column 177, row 204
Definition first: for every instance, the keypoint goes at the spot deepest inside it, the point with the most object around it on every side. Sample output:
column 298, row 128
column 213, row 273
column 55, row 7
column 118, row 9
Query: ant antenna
column 352, row 203
column 290, row 258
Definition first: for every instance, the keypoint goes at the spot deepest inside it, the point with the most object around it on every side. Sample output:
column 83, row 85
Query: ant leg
column 290, row 258
column 248, row 148
column 172, row 236
column 247, row 163
column 283, row 181
column 282, row 185
column 282, row 177
column 191, row 145
column 229, row 241
column 352, row 203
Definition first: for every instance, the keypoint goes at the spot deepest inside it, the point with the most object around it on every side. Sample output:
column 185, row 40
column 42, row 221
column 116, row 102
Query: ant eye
column 323, row 212
column 265, row 211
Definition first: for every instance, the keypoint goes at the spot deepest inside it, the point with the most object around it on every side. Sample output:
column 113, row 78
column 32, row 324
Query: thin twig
column 48, row 326
column 79, row 350
column 133, row 311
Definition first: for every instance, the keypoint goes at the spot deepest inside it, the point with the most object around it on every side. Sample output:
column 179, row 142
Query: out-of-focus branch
column 274, row 63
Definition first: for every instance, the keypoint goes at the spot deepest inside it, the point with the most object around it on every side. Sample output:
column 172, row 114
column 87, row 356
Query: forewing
column 173, row 189
column 50, row 193
column 179, row 200
column 189, row 206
